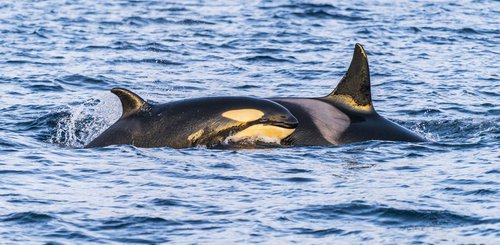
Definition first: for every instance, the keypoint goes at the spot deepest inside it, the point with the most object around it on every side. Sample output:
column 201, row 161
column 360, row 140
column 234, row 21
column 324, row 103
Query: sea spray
column 83, row 122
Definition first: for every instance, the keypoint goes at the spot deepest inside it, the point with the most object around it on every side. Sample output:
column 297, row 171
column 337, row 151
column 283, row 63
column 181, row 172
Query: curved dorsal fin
column 353, row 91
column 131, row 102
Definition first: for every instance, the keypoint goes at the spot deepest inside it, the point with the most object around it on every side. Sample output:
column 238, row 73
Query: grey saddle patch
column 329, row 120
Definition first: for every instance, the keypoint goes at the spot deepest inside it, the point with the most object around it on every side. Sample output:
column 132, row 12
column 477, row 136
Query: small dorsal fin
column 353, row 91
column 131, row 102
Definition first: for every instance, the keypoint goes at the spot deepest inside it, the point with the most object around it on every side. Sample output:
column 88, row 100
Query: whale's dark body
column 346, row 115
column 186, row 123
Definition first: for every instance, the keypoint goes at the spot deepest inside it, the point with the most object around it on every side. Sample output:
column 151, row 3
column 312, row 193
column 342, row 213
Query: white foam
column 86, row 121
column 251, row 140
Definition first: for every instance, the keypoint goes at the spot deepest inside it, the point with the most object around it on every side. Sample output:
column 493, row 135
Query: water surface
column 434, row 70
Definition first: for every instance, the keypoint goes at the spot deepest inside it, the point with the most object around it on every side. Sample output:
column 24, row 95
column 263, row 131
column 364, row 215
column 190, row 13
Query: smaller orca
column 344, row 116
column 209, row 121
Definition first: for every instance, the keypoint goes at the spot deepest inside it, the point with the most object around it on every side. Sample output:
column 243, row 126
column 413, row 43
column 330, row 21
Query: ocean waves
column 432, row 67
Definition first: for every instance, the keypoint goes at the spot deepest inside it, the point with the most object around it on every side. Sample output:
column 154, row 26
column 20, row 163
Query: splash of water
column 422, row 130
column 251, row 141
column 83, row 122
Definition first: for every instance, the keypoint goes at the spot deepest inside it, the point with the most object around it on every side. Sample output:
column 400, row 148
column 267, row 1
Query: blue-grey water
column 435, row 69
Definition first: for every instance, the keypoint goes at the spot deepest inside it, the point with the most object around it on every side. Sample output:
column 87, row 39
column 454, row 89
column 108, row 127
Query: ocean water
column 435, row 69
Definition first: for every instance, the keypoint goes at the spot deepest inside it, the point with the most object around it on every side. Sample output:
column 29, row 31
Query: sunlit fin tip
column 353, row 89
column 131, row 102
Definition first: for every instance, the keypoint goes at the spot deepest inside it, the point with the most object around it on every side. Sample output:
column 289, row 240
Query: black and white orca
column 208, row 121
column 344, row 116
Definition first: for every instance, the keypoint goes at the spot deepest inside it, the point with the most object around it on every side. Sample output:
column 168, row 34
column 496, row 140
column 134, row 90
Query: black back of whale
column 346, row 115
column 186, row 123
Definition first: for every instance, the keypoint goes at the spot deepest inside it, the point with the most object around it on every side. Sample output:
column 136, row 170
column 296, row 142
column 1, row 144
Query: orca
column 207, row 121
column 344, row 116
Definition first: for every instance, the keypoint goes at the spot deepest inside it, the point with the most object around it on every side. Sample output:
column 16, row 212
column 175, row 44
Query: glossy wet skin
column 323, row 122
column 201, row 121
column 346, row 115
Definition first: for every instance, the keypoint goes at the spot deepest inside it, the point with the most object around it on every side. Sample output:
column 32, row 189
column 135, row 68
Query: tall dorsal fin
column 353, row 91
column 131, row 102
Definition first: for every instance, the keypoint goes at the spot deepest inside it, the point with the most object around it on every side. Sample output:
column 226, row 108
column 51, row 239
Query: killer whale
column 208, row 121
column 344, row 116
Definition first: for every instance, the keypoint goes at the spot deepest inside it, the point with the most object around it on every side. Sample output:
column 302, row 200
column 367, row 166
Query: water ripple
column 432, row 68
column 27, row 218
column 388, row 216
